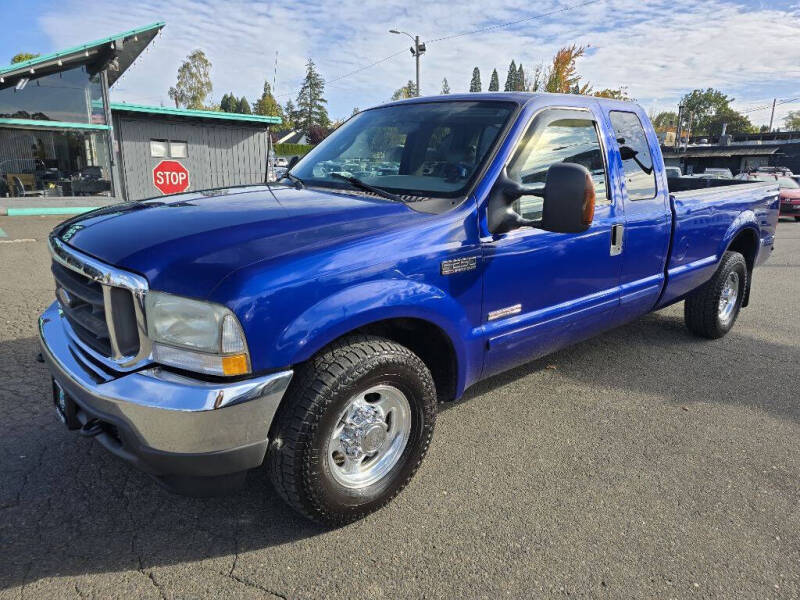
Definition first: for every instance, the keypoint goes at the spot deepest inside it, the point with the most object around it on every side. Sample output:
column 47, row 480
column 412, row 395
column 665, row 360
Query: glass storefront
column 47, row 163
column 74, row 95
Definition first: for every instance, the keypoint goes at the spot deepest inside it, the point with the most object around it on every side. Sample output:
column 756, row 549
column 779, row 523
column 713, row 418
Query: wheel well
column 746, row 244
column 427, row 341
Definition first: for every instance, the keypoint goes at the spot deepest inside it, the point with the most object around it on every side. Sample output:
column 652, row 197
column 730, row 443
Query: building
column 60, row 136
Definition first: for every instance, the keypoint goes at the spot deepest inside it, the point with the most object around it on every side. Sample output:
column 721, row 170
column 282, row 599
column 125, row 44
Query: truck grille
column 102, row 316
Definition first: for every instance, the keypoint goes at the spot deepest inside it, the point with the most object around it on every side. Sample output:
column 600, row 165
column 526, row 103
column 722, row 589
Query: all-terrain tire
column 297, row 458
column 701, row 310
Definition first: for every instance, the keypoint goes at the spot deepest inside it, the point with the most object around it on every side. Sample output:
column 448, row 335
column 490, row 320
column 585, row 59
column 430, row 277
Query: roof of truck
column 516, row 97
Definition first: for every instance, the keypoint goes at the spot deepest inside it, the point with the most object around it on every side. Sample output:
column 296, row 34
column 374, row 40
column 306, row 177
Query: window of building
column 159, row 148
column 169, row 149
column 74, row 95
column 178, row 149
column 640, row 178
column 54, row 163
column 557, row 136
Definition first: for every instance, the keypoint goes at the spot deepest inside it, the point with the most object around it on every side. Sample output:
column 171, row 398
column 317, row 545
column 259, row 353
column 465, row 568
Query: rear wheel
column 352, row 430
column 711, row 310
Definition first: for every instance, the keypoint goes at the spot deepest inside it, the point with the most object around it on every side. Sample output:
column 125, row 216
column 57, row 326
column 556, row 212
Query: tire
column 704, row 312
column 797, row 218
column 308, row 462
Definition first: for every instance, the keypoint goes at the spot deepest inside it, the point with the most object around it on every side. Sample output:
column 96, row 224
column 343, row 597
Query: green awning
column 118, row 50
column 185, row 112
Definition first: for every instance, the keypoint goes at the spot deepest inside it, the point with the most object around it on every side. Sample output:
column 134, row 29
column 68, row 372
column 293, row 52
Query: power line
column 766, row 106
column 517, row 22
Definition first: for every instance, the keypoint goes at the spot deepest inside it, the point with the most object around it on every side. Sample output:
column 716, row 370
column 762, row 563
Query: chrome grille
column 103, row 306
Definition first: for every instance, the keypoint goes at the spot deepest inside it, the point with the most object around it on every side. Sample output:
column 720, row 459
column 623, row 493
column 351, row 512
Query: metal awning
column 721, row 151
column 166, row 111
column 116, row 52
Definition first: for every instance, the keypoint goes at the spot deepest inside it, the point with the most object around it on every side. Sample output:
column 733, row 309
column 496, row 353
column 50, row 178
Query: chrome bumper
column 160, row 413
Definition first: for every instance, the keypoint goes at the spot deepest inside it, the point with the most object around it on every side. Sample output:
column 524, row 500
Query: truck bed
column 703, row 223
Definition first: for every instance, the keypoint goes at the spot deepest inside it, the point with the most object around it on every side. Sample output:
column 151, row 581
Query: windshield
column 787, row 183
column 430, row 149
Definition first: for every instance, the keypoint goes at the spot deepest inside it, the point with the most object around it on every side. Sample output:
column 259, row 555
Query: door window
column 557, row 136
column 640, row 178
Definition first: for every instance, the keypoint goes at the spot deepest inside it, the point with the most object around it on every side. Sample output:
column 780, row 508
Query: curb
column 45, row 210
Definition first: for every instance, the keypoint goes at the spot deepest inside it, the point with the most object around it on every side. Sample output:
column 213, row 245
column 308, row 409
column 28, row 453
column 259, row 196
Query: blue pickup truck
column 310, row 326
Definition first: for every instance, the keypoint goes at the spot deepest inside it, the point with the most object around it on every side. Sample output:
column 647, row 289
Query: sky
column 657, row 49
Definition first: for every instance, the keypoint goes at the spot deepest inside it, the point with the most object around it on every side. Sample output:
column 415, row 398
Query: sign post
column 170, row 177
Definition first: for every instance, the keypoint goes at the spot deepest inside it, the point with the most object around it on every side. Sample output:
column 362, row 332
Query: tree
column 316, row 134
column 243, row 106
column 613, row 94
column 409, row 90
column 22, row 57
column 445, row 87
column 494, row 82
column 519, row 84
column 356, row 110
column 735, row 122
column 289, row 115
column 536, row 81
column 701, row 105
column 562, row 76
column 228, row 103
column 311, row 101
column 194, row 81
column 475, row 82
column 792, row 121
column 267, row 105
column 511, row 78
column 665, row 121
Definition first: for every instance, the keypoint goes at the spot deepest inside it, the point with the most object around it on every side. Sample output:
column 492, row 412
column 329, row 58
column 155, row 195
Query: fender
column 373, row 301
column 745, row 220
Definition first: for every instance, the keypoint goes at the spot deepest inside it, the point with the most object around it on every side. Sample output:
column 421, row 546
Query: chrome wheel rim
column 369, row 436
column 728, row 297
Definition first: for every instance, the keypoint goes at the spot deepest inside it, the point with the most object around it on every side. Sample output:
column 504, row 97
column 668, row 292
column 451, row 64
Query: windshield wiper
column 298, row 183
column 356, row 182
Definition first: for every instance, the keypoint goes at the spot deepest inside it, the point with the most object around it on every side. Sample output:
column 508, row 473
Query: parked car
column 314, row 324
column 789, row 190
column 673, row 171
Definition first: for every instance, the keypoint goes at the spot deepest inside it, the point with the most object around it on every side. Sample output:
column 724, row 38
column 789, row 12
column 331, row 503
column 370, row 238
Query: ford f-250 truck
column 311, row 325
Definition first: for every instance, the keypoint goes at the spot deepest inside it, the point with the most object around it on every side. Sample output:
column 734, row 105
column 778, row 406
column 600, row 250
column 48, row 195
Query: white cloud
column 658, row 49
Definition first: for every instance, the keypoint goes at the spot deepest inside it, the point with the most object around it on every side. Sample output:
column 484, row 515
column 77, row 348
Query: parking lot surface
column 642, row 463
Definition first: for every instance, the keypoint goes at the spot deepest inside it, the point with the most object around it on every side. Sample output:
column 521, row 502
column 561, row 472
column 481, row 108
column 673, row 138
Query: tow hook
column 91, row 428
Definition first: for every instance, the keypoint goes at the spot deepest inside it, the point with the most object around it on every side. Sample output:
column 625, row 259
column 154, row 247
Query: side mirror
column 292, row 162
column 501, row 217
column 568, row 199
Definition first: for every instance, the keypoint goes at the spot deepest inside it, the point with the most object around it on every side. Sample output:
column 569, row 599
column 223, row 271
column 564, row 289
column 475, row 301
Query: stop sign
column 170, row 177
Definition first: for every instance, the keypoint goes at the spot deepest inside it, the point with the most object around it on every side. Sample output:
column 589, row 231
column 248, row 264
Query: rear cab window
column 637, row 160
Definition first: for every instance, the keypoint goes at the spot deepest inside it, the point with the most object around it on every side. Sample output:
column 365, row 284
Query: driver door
column 544, row 290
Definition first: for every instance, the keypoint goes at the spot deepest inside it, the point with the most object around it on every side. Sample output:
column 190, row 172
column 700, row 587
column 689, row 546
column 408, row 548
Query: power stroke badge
column 459, row 265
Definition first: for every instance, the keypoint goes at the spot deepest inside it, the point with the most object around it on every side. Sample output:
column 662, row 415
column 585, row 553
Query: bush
column 292, row 149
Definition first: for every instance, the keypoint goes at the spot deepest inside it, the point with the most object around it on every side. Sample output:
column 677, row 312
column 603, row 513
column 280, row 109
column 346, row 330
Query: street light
column 416, row 50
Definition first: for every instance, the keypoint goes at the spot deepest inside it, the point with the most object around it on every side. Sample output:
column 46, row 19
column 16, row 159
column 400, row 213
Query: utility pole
column 417, row 50
column 678, row 127
column 772, row 116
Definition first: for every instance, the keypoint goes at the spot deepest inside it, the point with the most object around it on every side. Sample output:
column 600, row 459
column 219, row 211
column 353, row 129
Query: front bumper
column 789, row 210
column 171, row 426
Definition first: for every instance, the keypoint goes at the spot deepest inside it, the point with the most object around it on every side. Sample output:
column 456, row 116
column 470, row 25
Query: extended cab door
column 544, row 290
column 646, row 235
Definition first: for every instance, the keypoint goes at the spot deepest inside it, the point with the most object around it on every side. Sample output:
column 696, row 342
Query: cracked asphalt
column 642, row 463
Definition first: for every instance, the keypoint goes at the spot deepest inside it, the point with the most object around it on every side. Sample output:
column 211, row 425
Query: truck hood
column 187, row 244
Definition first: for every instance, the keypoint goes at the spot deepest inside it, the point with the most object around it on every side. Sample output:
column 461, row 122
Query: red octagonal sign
column 170, row 177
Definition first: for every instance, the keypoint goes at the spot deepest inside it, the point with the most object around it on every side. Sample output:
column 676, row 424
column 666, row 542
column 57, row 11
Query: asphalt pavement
column 644, row 463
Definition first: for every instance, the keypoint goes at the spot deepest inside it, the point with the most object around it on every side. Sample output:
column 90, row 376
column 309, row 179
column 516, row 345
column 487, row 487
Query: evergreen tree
column 311, row 101
column 475, row 82
column 289, row 115
column 243, row 106
column 520, row 83
column 229, row 103
column 267, row 105
column 511, row 78
column 494, row 83
column 445, row 86
column 409, row 90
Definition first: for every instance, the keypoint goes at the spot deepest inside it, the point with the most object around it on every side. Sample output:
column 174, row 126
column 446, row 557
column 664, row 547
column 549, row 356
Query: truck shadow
column 69, row 508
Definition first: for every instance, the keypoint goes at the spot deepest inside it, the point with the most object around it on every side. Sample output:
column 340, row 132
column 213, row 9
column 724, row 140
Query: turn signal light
column 235, row 365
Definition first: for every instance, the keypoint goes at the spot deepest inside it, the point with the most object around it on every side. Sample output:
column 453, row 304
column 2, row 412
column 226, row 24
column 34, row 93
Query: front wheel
column 352, row 430
column 711, row 310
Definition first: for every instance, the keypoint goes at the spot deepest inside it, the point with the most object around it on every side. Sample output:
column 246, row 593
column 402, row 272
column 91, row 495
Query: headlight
column 195, row 335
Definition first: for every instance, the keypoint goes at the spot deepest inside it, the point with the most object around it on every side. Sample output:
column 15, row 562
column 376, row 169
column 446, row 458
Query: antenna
column 275, row 74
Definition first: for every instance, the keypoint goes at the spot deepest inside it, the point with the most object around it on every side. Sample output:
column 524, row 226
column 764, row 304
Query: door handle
column 617, row 232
